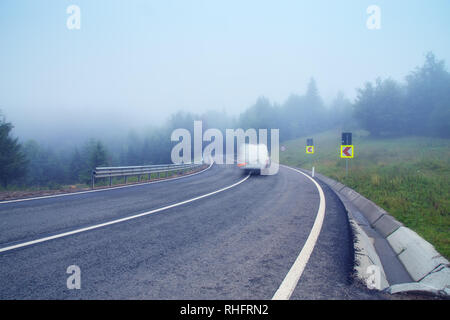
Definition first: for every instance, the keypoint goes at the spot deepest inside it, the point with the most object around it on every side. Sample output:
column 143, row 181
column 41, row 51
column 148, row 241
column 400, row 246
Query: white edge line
column 65, row 234
column 289, row 283
column 105, row 189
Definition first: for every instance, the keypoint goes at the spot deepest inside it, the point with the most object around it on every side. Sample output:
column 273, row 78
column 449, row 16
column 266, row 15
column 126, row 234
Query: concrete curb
column 428, row 271
column 366, row 255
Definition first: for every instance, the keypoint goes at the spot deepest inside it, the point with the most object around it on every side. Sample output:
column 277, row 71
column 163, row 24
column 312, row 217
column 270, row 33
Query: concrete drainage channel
column 407, row 263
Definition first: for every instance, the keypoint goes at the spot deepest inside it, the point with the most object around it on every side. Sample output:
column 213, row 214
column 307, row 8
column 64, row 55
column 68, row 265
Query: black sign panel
column 346, row 139
column 309, row 142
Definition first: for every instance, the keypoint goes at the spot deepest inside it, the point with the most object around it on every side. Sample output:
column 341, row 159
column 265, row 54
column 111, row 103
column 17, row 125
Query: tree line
column 419, row 106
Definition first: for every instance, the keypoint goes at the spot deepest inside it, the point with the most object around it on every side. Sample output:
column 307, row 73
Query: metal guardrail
column 139, row 171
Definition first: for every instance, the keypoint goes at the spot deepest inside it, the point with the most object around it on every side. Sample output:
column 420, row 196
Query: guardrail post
column 93, row 179
column 110, row 181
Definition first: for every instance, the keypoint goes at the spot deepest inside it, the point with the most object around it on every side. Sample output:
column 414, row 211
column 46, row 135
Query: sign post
column 310, row 150
column 347, row 149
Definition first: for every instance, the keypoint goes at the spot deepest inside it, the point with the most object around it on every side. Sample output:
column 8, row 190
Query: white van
column 253, row 157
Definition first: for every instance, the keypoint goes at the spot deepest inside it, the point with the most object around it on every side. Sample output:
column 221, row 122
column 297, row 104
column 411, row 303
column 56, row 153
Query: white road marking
column 289, row 283
column 106, row 189
column 65, row 234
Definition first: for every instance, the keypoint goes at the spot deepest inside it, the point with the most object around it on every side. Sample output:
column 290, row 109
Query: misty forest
column 419, row 105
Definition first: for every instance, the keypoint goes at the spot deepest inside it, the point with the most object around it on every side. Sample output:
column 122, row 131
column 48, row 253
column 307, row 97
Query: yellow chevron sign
column 310, row 149
column 347, row 151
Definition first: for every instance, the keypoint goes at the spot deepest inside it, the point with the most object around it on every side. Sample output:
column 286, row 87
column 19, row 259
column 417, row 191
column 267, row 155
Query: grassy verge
column 408, row 177
column 16, row 192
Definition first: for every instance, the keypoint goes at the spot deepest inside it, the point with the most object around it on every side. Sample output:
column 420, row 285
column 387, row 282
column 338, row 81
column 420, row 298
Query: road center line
column 289, row 283
column 65, row 234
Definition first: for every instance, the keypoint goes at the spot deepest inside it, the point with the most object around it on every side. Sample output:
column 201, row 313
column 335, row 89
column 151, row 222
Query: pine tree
column 13, row 163
column 98, row 155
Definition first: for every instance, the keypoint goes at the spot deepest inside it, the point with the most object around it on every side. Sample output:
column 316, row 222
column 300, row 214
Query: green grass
column 408, row 177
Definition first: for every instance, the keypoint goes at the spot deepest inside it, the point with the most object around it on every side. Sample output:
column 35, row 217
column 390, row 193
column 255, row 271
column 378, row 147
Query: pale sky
column 135, row 62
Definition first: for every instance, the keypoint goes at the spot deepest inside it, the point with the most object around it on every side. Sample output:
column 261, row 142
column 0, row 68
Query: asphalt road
column 236, row 244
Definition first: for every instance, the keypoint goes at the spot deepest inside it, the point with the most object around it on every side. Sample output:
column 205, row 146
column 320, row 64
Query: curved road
column 238, row 243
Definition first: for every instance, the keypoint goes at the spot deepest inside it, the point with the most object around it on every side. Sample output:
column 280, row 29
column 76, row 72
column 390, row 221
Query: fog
column 134, row 63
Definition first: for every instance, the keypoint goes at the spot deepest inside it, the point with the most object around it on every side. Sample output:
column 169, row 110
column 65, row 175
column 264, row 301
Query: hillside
column 408, row 177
